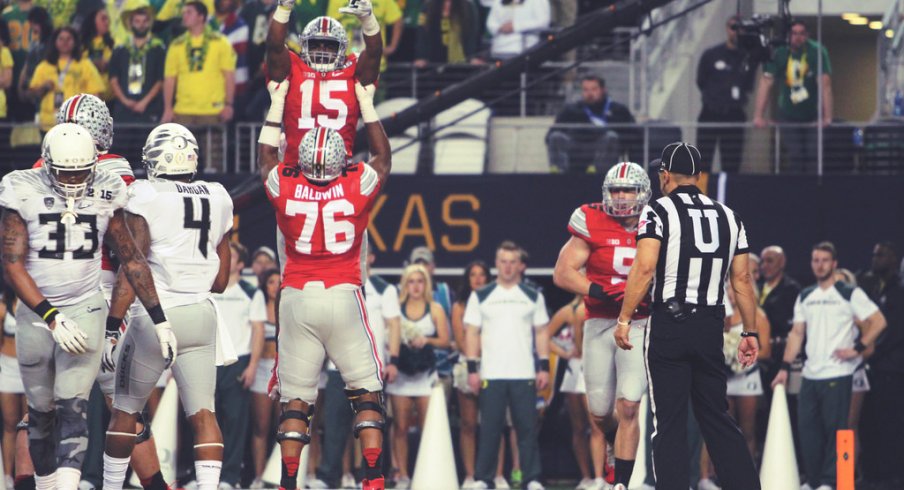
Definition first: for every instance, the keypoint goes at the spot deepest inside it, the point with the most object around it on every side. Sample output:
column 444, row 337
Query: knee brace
column 362, row 405
column 293, row 435
column 73, row 430
column 145, row 433
column 42, row 441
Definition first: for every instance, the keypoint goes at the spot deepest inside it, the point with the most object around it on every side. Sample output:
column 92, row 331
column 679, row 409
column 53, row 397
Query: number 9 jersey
column 63, row 259
column 320, row 99
column 612, row 251
column 323, row 225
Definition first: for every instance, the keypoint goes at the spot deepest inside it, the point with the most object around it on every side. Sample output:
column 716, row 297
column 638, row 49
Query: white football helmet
column 90, row 113
column 629, row 176
column 170, row 150
column 330, row 32
column 321, row 155
column 70, row 158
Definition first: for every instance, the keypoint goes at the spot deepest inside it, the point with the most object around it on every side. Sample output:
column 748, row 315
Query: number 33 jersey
column 612, row 251
column 186, row 222
column 323, row 224
column 63, row 259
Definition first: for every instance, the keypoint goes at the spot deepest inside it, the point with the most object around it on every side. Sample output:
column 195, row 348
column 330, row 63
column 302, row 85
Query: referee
column 690, row 243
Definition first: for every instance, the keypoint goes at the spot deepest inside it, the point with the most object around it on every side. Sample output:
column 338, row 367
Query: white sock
column 115, row 471
column 207, row 474
column 68, row 478
column 45, row 482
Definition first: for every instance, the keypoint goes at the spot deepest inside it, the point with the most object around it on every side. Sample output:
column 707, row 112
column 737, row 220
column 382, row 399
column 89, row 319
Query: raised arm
column 368, row 68
column 268, row 142
column 277, row 56
column 380, row 151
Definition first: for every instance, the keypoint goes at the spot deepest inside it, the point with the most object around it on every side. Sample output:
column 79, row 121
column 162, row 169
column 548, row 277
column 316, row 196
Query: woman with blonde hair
column 423, row 329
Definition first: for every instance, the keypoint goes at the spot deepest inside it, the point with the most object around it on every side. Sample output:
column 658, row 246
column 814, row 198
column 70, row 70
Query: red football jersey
column 120, row 166
column 320, row 99
column 612, row 250
column 323, row 224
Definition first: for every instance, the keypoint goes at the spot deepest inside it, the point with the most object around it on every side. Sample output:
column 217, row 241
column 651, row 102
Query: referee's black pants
column 684, row 359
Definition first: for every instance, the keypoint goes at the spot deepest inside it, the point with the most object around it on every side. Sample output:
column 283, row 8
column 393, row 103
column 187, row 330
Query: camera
column 760, row 35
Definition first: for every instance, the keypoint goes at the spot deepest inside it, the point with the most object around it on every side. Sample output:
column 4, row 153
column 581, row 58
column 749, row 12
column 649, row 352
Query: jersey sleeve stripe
column 369, row 180
column 273, row 182
column 578, row 224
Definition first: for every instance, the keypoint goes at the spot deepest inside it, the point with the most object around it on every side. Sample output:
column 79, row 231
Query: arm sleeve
column 6, row 58
column 41, row 75
column 472, row 311
column 171, row 65
column 228, row 57
column 494, row 20
column 743, row 247
column 258, row 310
column 701, row 72
column 392, row 12
column 532, row 16
column 541, row 317
column 273, row 183
column 861, row 304
column 799, row 316
column 577, row 224
column 826, row 65
column 389, row 301
column 650, row 224
column 8, row 197
column 370, row 181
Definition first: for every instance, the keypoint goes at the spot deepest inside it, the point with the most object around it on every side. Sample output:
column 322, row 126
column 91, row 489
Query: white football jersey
column 186, row 222
column 64, row 260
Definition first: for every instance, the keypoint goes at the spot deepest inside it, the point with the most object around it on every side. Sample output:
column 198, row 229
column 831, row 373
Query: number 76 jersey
column 63, row 258
column 323, row 224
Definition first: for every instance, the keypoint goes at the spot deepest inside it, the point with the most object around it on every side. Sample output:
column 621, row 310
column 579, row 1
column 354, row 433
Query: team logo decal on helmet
column 321, row 155
column 171, row 150
column 90, row 113
column 323, row 44
column 629, row 177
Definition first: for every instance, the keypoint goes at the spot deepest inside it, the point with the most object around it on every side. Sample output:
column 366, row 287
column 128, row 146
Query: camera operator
column 724, row 77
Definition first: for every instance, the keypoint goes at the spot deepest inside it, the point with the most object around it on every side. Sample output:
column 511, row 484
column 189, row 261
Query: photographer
column 796, row 65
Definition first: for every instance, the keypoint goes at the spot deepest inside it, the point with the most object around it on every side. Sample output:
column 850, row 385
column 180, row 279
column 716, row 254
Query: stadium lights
column 850, row 15
column 889, row 33
column 859, row 21
column 875, row 25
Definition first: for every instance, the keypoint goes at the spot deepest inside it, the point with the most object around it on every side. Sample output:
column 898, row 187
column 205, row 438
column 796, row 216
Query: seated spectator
column 98, row 45
column 598, row 147
column 64, row 72
column 447, row 32
column 515, row 26
column 136, row 71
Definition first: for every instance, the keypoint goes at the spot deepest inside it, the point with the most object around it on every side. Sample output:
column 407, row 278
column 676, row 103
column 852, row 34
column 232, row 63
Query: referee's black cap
column 681, row 158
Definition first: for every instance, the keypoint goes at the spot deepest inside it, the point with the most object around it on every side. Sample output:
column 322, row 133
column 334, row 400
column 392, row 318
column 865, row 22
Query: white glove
column 168, row 347
column 67, row 333
column 283, row 11
column 271, row 131
column 108, row 361
column 365, row 96
column 364, row 11
column 278, row 90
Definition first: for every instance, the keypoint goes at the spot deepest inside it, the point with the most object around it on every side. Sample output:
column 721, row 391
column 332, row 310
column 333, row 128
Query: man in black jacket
column 596, row 144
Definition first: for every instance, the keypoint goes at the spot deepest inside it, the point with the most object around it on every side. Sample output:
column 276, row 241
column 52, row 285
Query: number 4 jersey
column 612, row 250
column 186, row 222
column 323, row 225
column 63, row 259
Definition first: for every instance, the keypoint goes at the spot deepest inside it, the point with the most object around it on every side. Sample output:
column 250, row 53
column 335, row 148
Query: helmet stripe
column 320, row 150
column 624, row 171
column 73, row 107
column 324, row 25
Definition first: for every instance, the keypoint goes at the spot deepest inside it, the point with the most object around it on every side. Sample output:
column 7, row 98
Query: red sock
column 289, row 471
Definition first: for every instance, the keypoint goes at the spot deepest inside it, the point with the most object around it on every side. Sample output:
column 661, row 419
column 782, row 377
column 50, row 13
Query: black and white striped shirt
column 699, row 238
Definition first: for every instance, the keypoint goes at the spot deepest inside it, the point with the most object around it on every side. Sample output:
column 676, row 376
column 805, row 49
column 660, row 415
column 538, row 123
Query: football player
column 322, row 79
column 54, row 221
column 603, row 241
column 183, row 226
column 322, row 208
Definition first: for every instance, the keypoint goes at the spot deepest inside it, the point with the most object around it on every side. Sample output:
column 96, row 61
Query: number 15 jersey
column 186, row 221
column 323, row 224
column 63, row 259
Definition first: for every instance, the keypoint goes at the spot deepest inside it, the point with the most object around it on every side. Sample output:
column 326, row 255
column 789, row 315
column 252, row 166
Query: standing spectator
column 423, row 328
column 6, row 69
column 12, row 392
column 795, row 65
column 256, row 14
column 505, row 323
column 263, row 351
column 778, row 293
column 41, row 30
column 262, row 260
column 882, row 427
column 136, row 71
column 515, row 26
column 199, row 77
column 16, row 17
column 594, row 146
column 442, row 294
column 447, row 32
column 824, row 315
column 724, row 77
column 233, row 381
column 387, row 13
column 98, row 45
column 411, row 18
column 236, row 31
column 62, row 74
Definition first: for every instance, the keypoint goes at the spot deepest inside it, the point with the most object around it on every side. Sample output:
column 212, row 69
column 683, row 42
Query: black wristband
column 156, row 314
column 113, row 324
column 596, row 291
column 543, row 365
column 785, row 366
column 472, row 366
column 394, row 361
column 859, row 346
column 46, row 311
